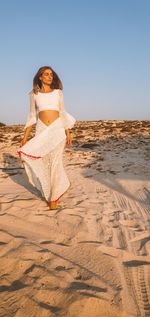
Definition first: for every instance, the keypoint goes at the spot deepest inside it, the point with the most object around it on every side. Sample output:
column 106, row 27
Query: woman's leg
column 58, row 177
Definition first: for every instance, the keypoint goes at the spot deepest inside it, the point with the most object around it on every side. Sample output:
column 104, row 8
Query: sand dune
column 91, row 257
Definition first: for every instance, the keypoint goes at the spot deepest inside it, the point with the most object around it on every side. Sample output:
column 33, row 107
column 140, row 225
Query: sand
column 91, row 257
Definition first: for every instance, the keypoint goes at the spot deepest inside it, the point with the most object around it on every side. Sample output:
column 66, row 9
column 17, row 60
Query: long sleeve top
column 49, row 101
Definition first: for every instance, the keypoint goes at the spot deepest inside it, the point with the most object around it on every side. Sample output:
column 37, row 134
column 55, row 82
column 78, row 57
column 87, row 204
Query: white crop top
column 49, row 101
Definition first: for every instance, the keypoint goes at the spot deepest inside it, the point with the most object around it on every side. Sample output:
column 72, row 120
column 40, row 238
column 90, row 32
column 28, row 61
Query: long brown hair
column 56, row 83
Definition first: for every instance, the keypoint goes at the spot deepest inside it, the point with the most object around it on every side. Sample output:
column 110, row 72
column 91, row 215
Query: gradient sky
column 99, row 48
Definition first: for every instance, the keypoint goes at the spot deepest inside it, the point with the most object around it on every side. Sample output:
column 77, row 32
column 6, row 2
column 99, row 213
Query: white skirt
column 43, row 160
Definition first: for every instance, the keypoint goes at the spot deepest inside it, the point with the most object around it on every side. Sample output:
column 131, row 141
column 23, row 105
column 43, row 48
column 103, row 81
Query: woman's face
column 46, row 77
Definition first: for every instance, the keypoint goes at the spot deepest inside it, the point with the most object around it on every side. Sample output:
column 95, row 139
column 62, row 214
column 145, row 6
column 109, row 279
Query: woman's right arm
column 31, row 120
column 26, row 135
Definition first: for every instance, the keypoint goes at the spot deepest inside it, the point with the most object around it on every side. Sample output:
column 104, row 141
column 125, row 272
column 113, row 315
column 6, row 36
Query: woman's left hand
column 68, row 139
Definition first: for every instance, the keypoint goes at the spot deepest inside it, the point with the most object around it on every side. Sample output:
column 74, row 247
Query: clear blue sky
column 99, row 48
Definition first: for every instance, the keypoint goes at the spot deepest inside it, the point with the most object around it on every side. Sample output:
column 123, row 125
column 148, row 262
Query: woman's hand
column 68, row 138
column 23, row 141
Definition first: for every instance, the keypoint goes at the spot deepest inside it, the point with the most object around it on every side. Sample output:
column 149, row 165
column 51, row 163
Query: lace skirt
column 43, row 160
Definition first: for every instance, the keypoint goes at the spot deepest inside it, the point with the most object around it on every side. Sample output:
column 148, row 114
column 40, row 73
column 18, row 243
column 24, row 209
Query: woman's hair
column 56, row 83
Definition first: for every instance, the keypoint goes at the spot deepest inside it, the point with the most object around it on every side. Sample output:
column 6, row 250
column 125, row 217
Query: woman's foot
column 52, row 205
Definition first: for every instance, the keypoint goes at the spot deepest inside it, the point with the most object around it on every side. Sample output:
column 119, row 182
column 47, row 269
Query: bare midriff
column 48, row 116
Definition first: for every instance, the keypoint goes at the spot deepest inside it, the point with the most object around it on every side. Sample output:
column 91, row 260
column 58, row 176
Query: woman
column 43, row 154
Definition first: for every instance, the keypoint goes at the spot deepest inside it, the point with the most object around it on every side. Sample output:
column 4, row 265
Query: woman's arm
column 67, row 120
column 63, row 117
column 26, row 135
column 68, row 135
column 31, row 120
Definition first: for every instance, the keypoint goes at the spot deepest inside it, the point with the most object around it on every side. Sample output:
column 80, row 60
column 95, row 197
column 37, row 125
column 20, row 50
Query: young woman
column 42, row 155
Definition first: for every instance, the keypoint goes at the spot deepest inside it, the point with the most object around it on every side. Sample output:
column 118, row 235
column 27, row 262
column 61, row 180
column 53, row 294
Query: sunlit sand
column 91, row 257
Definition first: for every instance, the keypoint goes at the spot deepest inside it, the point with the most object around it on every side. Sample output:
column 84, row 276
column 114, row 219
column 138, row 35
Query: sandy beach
column 91, row 257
